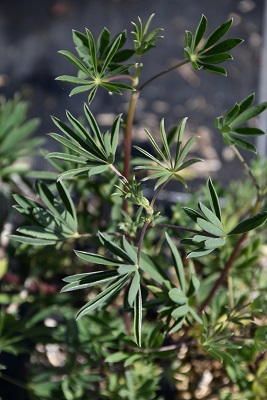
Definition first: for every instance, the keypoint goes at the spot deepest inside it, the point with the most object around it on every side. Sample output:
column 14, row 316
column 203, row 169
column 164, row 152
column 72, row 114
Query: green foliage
column 137, row 297
column 168, row 168
column 56, row 222
column 144, row 41
column 95, row 152
column 96, row 66
column 16, row 141
column 206, row 55
column 213, row 234
column 240, row 113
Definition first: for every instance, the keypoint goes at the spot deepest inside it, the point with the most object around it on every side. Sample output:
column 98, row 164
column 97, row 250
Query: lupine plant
column 153, row 292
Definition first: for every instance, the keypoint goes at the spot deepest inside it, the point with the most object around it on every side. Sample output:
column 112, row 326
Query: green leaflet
column 249, row 224
column 115, row 249
column 102, row 297
column 211, row 217
column 241, row 112
column 213, row 199
column 200, row 31
column 133, row 289
column 97, row 259
column 166, row 167
column 177, row 262
column 178, row 296
column 138, row 318
column 82, row 281
column 209, row 227
column 30, row 240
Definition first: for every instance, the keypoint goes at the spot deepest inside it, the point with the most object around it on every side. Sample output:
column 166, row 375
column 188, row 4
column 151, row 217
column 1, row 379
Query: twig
column 183, row 62
column 224, row 272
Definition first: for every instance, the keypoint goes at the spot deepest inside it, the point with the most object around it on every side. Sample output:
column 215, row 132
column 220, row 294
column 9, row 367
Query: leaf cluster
column 164, row 167
column 180, row 299
column 93, row 151
column 16, row 139
column 99, row 63
column 229, row 123
column 210, row 52
column 114, row 280
column 54, row 218
column 212, row 235
column 217, row 342
column 144, row 40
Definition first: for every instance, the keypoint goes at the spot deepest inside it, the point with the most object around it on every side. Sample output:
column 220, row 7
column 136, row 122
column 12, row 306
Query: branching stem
column 224, row 272
column 118, row 77
column 246, row 167
column 148, row 222
column 183, row 62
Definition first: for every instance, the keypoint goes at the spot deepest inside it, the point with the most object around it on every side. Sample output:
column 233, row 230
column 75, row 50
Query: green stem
column 148, row 222
column 183, row 62
column 158, row 192
column 13, row 381
column 120, row 176
column 242, row 239
column 118, row 77
column 225, row 271
column 246, row 167
column 230, row 291
column 131, row 112
column 128, row 135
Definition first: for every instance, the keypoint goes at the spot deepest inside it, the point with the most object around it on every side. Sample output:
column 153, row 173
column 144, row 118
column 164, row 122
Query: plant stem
column 225, row 271
column 231, row 291
column 13, row 381
column 245, row 165
column 183, row 62
column 121, row 177
column 148, row 222
column 128, row 134
column 243, row 237
column 158, row 192
column 118, row 77
column 180, row 228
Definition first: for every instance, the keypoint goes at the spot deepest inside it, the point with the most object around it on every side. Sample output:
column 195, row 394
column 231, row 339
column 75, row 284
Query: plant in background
column 152, row 292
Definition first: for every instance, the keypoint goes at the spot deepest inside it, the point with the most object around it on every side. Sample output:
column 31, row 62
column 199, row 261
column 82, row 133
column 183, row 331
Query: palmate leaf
column 15, row 138
column 144, row 41
column 167, row 168
column 97, row 63
column 212, row 235
column 240, row 113
column 204, row 56
column 93, row 150
column 57, row 222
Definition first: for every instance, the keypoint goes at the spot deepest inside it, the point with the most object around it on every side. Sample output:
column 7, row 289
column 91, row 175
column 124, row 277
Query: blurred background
column 32, row 32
